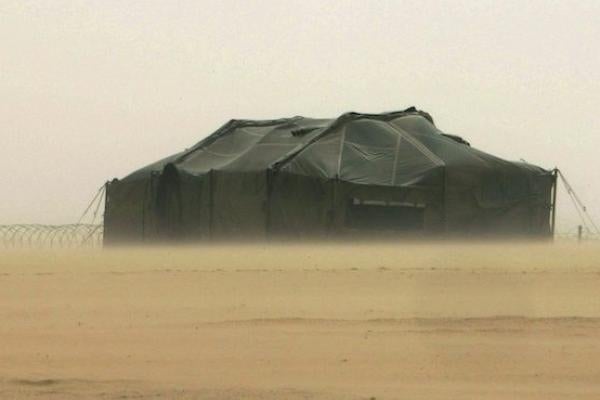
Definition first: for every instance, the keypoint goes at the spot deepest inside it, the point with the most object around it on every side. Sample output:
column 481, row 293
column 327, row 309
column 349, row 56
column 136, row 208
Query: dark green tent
column 392, row 173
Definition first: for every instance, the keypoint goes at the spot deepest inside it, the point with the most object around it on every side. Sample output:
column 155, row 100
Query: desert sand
column 384, row 321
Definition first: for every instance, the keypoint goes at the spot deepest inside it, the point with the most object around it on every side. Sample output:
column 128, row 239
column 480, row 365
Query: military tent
column 392, row 174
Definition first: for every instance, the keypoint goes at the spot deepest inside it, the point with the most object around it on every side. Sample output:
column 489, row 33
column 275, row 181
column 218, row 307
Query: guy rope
column 586, row 219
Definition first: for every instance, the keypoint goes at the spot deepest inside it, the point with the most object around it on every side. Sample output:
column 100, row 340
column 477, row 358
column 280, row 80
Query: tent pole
column 333, row 208
column 146, row 189
column 444, row 205
column 553, row 205
column 105, row 213
column 210, row 203
column 269, row 179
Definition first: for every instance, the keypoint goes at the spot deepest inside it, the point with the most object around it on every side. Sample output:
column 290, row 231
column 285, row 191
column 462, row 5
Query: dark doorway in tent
column 168, row 204
column 379, row 215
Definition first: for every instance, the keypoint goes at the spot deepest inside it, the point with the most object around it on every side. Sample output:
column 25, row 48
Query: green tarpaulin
column 360, row 174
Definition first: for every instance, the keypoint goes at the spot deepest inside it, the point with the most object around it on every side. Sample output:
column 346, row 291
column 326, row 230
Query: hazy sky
column 91, row 90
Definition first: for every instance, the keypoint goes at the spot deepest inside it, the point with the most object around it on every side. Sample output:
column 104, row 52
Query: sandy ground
column 384, row 321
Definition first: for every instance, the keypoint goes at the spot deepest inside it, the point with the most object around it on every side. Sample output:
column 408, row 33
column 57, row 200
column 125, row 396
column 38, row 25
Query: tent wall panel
column 300, row 206
column 195, row 206
column 129, row 215
column 238, row 208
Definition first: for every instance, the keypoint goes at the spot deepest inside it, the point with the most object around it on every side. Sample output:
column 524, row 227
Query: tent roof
column 396, row 148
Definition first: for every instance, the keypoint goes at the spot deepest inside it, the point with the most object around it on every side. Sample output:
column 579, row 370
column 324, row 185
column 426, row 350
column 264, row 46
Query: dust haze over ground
column 390, row 321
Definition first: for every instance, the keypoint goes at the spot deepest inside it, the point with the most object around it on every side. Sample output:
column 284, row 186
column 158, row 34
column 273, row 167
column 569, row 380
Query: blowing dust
column 357, row 321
